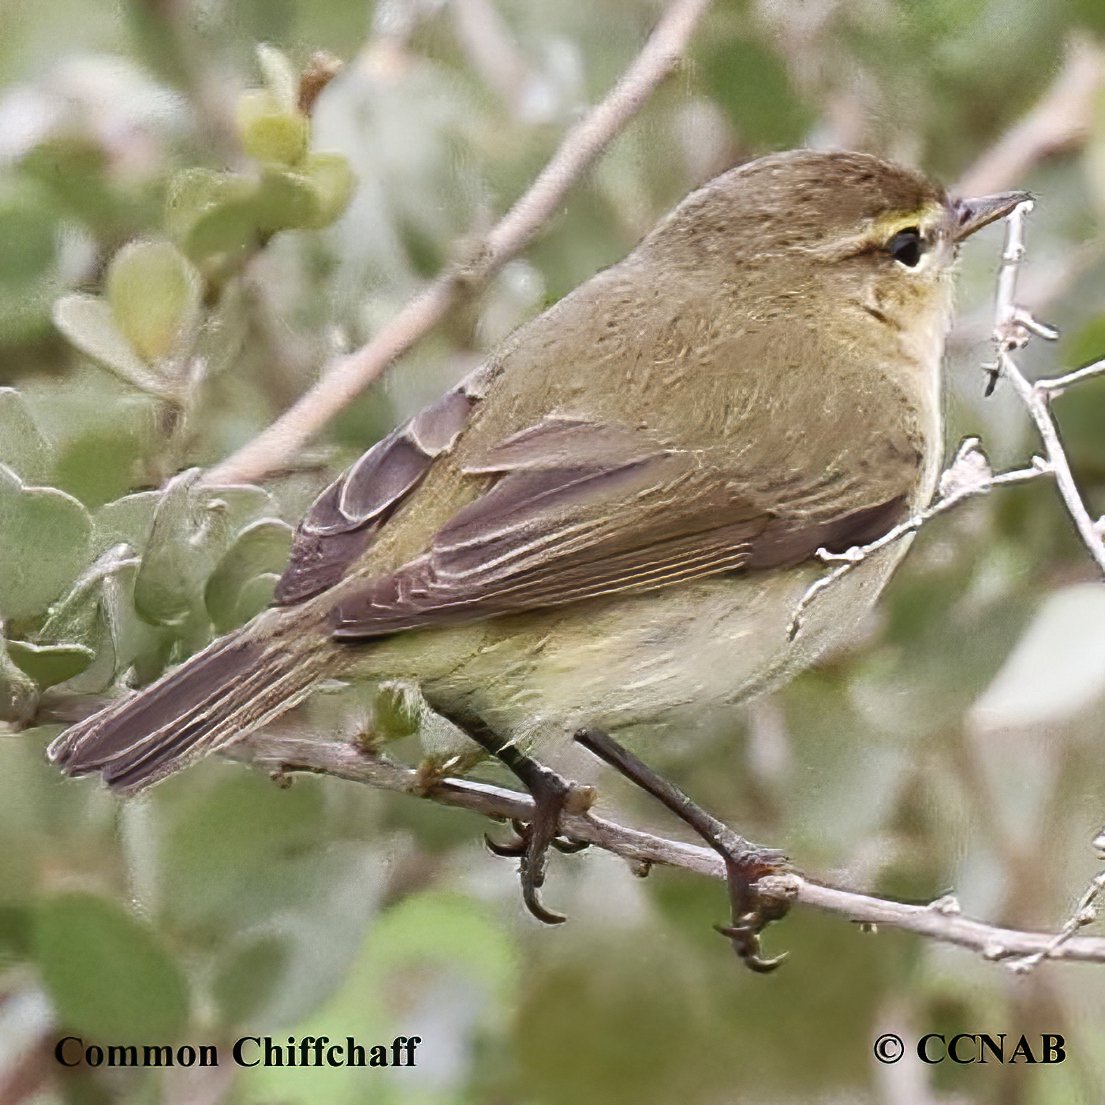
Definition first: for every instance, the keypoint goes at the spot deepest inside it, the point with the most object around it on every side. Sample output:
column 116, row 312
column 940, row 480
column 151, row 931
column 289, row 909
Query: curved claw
column 532, row 899
column 568, row 847
column 761, row 966
column 508, row 849
column 746, row 943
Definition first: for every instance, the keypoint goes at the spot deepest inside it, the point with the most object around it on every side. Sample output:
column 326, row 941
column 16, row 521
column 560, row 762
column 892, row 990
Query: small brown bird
column 608, row 526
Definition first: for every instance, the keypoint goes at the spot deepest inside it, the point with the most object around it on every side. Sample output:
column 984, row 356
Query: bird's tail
column 233, row 687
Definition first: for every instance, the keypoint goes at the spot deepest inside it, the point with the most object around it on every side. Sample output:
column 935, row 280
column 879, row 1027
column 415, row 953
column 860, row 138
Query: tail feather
column 234, row 686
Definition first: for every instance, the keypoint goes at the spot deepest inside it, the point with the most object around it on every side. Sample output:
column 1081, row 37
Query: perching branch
column 968, row 475
column 940, row 920
column 581, row 147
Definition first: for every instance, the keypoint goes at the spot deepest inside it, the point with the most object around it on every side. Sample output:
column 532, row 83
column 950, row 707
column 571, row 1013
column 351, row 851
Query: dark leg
column 551, row 795
column 744, row 862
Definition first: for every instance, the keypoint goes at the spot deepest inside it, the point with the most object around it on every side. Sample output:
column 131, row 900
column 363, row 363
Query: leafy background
column 179, row 256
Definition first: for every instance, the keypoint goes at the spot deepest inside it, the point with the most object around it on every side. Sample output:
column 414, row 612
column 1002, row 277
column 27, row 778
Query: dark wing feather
column 346, row 516
column 581, row 510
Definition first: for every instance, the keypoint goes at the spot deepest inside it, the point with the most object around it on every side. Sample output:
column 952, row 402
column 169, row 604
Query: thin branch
column 967, row 476
column 350, row 375
column 1012, row 328
column 940, row 920
column 1059, row 384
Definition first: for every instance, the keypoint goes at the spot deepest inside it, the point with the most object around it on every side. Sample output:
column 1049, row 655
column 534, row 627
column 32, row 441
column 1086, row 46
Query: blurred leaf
column 28, row 260
column 106, row 972
column 22, row 447
column 1084, row 345
column 50, row 664
column 216, row 880
column 76, row 171
column 286, row 199
column 751, row 83
column 246, row 979
column 260, row 549
column 280, row 76
column 155, row 293
column 332, row 180
column 211, row 217
column 50, row 525
column 15, row 934
column 87, row 321
column 270, row 132
column 1057, row 668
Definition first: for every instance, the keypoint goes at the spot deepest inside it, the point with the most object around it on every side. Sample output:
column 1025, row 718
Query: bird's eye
column 907, row 246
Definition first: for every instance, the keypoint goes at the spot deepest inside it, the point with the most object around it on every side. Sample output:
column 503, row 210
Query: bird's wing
column 577, row 509
column 346, row 517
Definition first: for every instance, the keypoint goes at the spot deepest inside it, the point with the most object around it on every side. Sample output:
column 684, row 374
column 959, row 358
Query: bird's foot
column 745, row 863
column 552, row 795
column 750, row 911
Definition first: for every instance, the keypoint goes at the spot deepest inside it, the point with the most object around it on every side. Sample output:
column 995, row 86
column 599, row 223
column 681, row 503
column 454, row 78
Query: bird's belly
column 676, row 658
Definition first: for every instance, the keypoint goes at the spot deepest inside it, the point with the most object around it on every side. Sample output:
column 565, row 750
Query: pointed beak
column 972, row 215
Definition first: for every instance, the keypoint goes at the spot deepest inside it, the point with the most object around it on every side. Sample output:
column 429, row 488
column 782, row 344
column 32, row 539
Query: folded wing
column 578, row 509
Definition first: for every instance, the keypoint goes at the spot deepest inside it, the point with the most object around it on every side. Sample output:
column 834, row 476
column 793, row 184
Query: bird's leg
column 552, row 795
column 745, row 862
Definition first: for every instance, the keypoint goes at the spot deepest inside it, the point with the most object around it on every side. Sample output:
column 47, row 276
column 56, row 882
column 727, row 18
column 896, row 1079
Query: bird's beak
column 972, row 215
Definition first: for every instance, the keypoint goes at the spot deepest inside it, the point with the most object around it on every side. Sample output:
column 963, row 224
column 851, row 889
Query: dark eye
column 907, row 246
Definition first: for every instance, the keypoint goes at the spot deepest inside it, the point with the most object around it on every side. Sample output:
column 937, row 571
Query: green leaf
column 242, row 504
column 332, row 181
column 99, row 462
column 286, row 200
column 255, row 596
column 87, row 321
column 22, row 447
column 18, row 693
column 155, row 294
column 246, row 980
column 261, row 549
column 106, row 972
column 29, row 248
column 44, row 536
column 269, row 132
column 73, row 616
column 178, row 557
column 126, row 521
column 50, row 664
column 211, row 216
column 280, row 76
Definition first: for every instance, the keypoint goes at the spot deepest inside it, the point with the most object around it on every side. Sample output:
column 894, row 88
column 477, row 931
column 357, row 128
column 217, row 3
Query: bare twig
column 967, row 476
column 939, row 920
column 1061, row 118
column 349, row 376
column 1013, row 326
